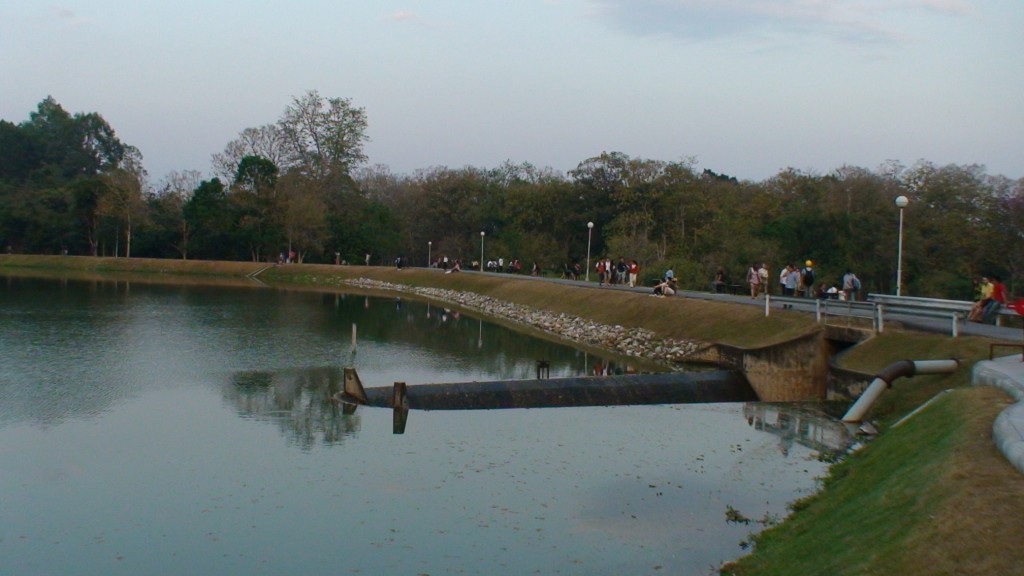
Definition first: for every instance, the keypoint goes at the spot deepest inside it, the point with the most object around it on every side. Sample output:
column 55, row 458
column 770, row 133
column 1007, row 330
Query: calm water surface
column 149, row 429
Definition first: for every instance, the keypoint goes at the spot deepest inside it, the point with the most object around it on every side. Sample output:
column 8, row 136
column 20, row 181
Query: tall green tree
column 266, row 141
column 324, row 135
column 20, row 156
column 172, row 231
column 304, row 213
column 70, row 146
column 124, row 199
column 949, row 233
column 86, row 194
column 206, row 213
column 257, row 207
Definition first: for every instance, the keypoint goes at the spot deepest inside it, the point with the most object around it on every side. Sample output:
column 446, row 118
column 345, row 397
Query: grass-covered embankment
column 931, row 496
column 677, row 318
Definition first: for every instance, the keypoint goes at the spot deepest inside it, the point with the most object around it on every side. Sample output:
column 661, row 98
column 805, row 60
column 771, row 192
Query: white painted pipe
column 884, row 380
column 867, row 399
column 935, row 366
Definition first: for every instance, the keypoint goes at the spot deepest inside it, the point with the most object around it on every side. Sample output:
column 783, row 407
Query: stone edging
column 1007, row 374
column 635, row 342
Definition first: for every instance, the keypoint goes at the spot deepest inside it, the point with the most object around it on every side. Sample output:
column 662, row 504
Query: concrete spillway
column 668, row 388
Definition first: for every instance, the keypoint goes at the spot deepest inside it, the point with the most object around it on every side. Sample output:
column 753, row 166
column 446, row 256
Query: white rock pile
column 635, row 342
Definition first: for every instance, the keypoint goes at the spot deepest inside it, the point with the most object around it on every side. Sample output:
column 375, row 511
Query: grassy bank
column 930, row 496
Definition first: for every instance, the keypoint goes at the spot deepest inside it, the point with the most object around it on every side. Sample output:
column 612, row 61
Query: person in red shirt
column 996, row 301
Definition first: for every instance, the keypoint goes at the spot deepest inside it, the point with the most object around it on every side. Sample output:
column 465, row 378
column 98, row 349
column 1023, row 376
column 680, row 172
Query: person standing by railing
column 807, row 279
column 851, row 285
column 754, row 279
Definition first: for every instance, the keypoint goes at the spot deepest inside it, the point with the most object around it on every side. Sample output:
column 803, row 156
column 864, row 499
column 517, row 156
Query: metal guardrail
column 831, row 308
column 961, row 306
column 824, row 308
column 925, row 303
column 955, row 310
column 878, row 306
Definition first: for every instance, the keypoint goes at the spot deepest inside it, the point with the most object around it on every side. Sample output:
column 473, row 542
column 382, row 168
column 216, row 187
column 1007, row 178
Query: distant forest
column 304, row 184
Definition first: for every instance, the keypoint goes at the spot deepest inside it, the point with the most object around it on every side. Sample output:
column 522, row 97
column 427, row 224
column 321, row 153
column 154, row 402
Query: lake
column 182, row 429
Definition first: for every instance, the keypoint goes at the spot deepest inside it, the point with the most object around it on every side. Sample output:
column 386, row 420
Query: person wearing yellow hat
column 807, row 280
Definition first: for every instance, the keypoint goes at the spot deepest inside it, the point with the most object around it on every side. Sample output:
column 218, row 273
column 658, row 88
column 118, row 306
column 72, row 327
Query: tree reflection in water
column 298, row 402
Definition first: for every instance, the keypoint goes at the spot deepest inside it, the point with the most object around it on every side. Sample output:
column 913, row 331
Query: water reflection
column 79, row 348
column 299, row 403
column 804, row 424
column 455, row 341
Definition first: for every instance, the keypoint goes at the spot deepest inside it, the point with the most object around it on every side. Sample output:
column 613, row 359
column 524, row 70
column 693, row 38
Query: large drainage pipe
column 885, row 378
column 668, row 388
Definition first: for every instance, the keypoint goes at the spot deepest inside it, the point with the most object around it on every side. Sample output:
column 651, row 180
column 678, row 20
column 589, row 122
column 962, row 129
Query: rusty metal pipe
column 885, row 378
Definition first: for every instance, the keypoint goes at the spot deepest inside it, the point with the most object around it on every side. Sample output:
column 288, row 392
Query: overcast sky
column 746, row 87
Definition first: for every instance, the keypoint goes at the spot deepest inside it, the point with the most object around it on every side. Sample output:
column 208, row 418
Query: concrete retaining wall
column 788, row 372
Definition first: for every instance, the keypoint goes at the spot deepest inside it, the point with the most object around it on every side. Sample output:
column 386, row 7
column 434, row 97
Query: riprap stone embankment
column 635, row 342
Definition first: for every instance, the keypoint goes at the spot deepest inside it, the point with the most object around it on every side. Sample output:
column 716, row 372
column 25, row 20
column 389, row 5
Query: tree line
column 304, row 184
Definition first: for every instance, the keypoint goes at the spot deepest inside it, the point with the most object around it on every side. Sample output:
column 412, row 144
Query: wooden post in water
column 398, row 399
column 400, row 403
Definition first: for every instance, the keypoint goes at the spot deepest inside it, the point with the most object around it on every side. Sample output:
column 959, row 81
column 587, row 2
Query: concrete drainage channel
column 1007, row 374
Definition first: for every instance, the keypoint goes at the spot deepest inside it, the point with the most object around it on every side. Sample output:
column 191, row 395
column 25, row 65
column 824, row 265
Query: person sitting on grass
column 665, row 288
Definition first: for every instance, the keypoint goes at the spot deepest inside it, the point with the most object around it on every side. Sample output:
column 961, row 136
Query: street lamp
column 482, row 234
column 590, row 232
column 901, row 203
column 430, row 244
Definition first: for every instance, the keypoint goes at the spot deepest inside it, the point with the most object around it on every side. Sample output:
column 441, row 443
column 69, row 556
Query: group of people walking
column 619, row 273
column 795, row 281
column 513, row 266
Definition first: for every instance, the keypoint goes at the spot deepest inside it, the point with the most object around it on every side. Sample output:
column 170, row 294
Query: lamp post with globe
column 901, row 203
column 590, row 231
column 482, row 234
